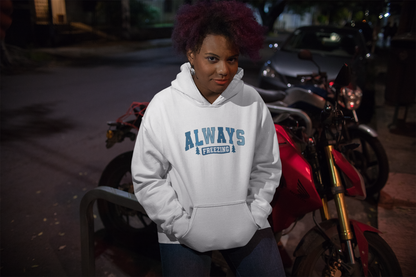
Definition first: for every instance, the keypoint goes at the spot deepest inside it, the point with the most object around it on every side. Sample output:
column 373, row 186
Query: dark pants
column 260, row 257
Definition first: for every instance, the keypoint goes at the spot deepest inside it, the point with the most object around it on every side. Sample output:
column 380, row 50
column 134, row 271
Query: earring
column 192, row 70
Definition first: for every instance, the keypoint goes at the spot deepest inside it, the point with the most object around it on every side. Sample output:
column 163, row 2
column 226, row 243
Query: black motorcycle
column 363, row 148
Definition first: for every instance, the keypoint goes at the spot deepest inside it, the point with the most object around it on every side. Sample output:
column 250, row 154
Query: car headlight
column 352, row 97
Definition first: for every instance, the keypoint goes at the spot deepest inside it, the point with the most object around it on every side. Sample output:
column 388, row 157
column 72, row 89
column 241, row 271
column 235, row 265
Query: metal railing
column 116, row 196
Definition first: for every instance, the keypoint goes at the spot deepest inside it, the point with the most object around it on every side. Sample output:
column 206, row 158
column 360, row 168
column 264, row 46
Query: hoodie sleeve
column 267, row 169
column 153, row 190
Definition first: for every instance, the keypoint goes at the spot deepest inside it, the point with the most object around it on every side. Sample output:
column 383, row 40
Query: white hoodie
column 206, row 173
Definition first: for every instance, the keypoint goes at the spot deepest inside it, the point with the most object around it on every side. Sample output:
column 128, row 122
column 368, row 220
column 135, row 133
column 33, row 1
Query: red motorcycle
column 314, row 172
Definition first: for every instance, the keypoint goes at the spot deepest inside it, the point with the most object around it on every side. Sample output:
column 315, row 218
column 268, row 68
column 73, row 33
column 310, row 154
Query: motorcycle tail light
column 352, row 97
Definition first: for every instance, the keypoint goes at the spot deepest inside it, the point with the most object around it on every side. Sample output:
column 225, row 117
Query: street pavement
column 52, row 152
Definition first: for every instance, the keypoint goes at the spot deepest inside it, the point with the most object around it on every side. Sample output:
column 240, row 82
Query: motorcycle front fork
column 338, row 192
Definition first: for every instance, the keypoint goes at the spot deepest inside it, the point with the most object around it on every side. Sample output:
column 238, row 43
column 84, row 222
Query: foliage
column 142, row 14
column 300, row 7
column 108, row 12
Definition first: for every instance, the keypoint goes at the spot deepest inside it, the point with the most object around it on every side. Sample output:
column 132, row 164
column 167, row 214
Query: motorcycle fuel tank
column 296, row 194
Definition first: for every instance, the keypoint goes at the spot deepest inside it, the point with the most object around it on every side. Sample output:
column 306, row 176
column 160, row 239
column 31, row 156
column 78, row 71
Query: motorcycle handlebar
column 296, row 112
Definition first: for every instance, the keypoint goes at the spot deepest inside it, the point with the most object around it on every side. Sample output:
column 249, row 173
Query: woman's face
column 215, row 65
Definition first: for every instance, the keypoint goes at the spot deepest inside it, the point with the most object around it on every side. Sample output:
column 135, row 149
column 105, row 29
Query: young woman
column 206, row 162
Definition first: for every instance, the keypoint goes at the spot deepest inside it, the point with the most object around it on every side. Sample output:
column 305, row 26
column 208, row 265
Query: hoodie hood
column 186, row 85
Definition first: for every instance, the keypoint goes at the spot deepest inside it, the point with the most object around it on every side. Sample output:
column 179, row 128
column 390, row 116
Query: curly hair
column 231, row 19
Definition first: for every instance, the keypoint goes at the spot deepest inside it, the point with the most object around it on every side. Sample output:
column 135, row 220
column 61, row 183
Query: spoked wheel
column 125, row 225
column 324, row 260
column 370, row 159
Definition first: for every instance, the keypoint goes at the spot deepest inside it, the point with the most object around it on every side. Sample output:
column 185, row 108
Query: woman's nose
column 222, row 69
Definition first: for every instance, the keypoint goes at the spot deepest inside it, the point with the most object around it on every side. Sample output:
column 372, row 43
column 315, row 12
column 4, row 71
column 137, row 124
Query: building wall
column 289, row 22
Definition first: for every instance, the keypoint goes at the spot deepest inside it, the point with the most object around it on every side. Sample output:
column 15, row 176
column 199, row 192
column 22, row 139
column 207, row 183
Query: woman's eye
column 211, row 59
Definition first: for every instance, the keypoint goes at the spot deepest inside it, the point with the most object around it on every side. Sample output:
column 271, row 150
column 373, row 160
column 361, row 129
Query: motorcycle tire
column 381, row 260
column 126, row 226
column 370, row 159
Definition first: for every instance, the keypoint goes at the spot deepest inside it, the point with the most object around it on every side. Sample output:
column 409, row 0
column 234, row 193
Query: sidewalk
column 22, row 60
column 397, row 204
column 397, row 219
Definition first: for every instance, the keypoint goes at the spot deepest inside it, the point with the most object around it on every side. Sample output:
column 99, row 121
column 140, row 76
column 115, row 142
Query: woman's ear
column 190, row 56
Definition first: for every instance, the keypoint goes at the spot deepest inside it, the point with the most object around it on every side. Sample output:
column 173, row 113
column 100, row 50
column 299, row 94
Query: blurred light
column 269, row 72
column 386, row 15
column 109, row 134
column 380, row 16
column 352, row 98
column 334, row 37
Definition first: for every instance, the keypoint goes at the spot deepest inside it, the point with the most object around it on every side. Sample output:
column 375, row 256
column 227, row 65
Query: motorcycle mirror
column 305, row 54
column 343, row 78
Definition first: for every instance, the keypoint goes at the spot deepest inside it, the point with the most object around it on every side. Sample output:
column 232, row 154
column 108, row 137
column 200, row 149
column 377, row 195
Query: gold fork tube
column 324, row 209
column 344, row 222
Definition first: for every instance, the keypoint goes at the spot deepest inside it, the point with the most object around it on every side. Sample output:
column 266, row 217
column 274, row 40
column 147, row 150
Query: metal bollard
column 116, row 196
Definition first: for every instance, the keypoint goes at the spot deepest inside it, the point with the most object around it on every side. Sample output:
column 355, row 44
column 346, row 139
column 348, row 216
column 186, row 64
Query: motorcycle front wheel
column 319, row 262
column 370, row 159
column 126, row 226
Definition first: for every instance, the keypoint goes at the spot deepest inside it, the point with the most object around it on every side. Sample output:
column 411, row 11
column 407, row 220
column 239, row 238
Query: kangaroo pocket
column 220, row 226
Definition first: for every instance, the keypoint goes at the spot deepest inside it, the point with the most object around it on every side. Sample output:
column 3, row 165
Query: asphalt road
column 53, row 125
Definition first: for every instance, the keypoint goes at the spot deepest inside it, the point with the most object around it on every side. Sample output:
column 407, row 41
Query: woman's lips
column 221, row 81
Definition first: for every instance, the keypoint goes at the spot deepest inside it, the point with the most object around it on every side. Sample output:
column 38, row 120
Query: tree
column 274, row 9
column 270, row 10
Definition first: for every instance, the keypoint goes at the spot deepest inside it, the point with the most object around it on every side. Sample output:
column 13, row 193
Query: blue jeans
column 260, row 257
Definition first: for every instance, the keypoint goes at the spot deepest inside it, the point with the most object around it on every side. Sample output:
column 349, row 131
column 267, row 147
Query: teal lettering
column 197, row 141
column 188, row 143
column 209, row 134
column 221, row 137
column 241, row 140
column 230, row 132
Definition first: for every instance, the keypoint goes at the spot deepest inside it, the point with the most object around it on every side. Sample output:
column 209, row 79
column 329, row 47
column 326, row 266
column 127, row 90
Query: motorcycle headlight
column 352, row 97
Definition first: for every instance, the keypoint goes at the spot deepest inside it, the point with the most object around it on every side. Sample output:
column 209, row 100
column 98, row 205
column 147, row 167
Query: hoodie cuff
column 180, row 225
column 260, row 216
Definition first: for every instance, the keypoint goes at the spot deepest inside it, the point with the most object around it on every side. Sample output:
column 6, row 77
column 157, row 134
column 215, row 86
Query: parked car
column 331, row 47
column 364, row 28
